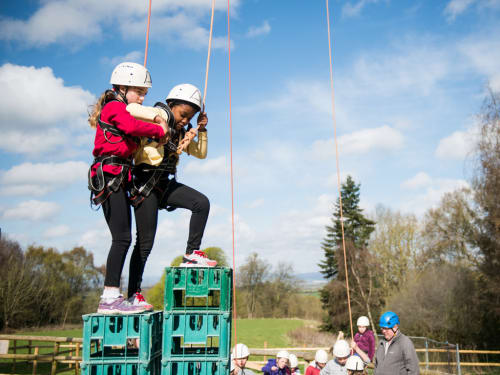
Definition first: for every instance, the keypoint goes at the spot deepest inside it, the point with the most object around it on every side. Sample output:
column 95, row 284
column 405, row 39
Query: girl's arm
column 124, row 121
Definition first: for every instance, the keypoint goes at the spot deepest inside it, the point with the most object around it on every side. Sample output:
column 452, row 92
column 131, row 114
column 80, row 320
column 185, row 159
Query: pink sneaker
column 138, row 300
column 197, row 259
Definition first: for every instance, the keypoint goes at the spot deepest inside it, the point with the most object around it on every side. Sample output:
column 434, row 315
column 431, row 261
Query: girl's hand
column 159, row 120
column 274, row 368
column 202, row 121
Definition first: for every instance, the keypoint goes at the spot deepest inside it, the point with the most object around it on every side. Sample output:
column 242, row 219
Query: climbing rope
column 147, row 35
column 338, row 165
column 231, row 164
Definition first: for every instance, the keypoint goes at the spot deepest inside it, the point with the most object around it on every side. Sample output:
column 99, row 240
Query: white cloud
column 32, row 210
column 483, row 54
column 39, row 179
column 57, row 231
column 263, row 29
column 76, row 22
column 456, row 7
column 256, row 203
column 218, row 166
column 458, row 145
column 383, row 138
column 134, row 56
column 37, row 98
column 354, row 9
column 421, row 179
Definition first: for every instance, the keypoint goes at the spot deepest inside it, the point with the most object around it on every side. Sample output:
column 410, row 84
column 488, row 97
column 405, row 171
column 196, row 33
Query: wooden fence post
column 35, row 362
column 426, row 355
column 77, row 354
column 265, row 347
column 54, row 362
column 14, row 361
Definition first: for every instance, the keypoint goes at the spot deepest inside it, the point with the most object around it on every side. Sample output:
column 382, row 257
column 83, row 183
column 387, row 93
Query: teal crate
column 199, row 366
column 129, row 367
column 197, row 288
column 196, row 334
column 121, row 337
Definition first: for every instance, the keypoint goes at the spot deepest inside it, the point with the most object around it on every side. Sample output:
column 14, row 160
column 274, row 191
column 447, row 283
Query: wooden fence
column 61, row 350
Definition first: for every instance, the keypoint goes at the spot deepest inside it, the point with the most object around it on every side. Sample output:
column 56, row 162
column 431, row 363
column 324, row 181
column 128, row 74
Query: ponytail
column 97, row 107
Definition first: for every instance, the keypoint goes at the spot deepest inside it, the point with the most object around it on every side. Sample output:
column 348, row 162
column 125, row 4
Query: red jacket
column 312, row 370
column 115, row 113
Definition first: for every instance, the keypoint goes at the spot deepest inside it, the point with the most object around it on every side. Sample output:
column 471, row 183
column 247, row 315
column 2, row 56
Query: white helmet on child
column 187, row 93
column 283, row 354
column 321, row 356
column 240, row 351
column 130, row 74
column 354, row 363
column 363, row 322
column 294, row 361
column 341, row 349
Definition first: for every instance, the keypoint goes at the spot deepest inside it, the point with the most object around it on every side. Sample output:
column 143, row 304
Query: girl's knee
column 202, row 204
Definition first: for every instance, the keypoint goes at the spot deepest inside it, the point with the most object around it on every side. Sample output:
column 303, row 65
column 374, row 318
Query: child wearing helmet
column 364, row 339
column 294, row 364
column 278, row 366
column 109, row 175
column 239, row 357
column 336, row 366
column 319, row 362
column 156, row 186
column 395, row 353
column 355, row 365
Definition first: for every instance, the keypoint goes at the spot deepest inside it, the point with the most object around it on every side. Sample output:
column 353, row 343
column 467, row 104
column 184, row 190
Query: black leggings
column 118, row 216
column 146, row 218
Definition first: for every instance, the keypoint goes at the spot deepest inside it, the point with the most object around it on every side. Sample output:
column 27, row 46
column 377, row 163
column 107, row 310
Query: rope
column 338, row 166
column 189, row 136
column 147, row 35
column 232, row 179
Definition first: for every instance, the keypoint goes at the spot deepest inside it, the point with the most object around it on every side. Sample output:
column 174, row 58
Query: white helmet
column 130, row 74
column 294, row 361
column 232, row 364
column 354, row 363
column 341, row 349
column 187, row 93
column 363, row 322
column 240, row 351
column 321, row 356
column 283, row 354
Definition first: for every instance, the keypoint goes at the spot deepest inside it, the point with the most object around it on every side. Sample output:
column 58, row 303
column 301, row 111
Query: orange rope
column 147, row 35
column 338, row 165
column 232, row 179
column 189, row 136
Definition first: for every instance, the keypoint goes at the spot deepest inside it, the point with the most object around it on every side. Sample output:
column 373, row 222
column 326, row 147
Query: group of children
column 136, row 152
column 348, row 359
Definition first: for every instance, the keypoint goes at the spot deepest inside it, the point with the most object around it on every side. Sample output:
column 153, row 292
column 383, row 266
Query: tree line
column 439, row 272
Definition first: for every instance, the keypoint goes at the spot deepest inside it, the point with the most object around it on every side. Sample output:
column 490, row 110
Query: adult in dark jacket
column 395, row 354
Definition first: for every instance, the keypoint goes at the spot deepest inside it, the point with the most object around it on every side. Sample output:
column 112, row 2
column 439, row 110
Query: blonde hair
column 97, row 107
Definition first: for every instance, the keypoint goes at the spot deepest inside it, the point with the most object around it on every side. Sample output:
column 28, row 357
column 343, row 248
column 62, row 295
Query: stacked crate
column 122, row 344
column 197, row 321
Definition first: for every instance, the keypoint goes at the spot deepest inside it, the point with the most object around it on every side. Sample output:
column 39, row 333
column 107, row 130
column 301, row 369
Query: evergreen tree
column 357, row 230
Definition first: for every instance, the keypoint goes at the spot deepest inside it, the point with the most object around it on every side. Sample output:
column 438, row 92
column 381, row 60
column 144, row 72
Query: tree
column 251, row 277
column 357, row 230
column 486, row 184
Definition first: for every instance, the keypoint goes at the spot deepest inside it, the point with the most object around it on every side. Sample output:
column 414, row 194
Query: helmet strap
column 120, row 94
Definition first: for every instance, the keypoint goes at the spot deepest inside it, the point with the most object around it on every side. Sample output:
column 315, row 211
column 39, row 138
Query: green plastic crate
column 195, row 367
column 196, row 334
column 129, row 367
column 197, row 288
column 107, row 338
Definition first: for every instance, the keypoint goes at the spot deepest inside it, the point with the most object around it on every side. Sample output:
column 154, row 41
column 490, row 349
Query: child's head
column 240, row 355
column 282, row 358
column 363, row 323
column 354, row 365
column 321, row 358
column 184, row 100
column 294, row 361
column 341, row 351
column 131, row 82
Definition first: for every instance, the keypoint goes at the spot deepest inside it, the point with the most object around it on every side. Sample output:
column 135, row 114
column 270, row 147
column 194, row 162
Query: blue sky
column 409, row 78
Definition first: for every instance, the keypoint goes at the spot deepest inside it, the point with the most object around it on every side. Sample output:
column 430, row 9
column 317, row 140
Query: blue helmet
column 388, row 320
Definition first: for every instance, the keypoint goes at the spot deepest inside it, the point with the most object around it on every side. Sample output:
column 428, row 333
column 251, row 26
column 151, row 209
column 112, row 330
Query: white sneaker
column 197, row 259
column 138, row 300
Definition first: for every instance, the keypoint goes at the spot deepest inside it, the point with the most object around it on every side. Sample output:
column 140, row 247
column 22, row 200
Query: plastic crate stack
column 197, row 321
column 122, row 344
